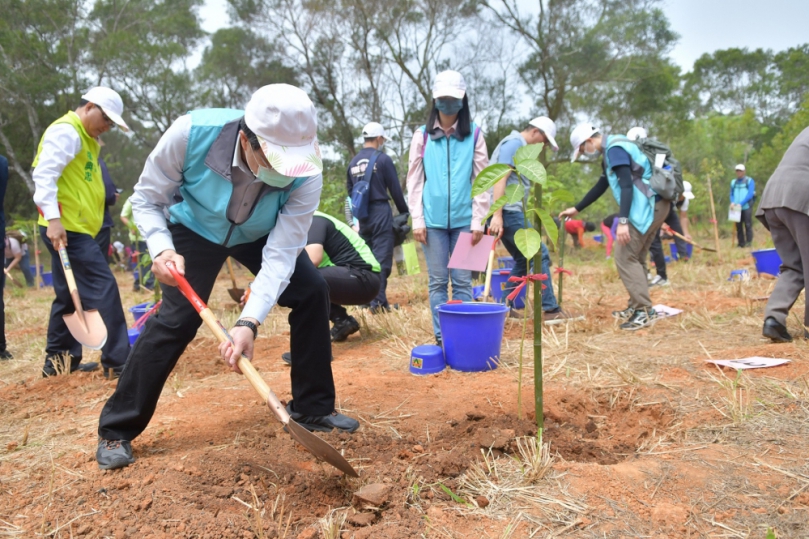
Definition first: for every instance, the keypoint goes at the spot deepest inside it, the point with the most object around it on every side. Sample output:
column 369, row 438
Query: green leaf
column 534, row 171
column 455, row 497
column 548, row 223
column 528, row 241
column 562, row 195
column 514, row 194
column 529, row 152
column 488, row 177
column 770, row 533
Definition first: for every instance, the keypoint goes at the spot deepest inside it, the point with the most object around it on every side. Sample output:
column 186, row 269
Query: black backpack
column 668, row 180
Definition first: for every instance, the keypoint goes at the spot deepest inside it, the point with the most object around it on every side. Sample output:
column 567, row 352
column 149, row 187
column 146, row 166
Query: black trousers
column 2, row 302
column 103, row 241
column 377, row 231
column 744, row 228
column 98, row 290
column 166, row 335
column 656, row 248
column 349, row 286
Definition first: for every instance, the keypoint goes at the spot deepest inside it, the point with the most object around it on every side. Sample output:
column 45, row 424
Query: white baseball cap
column 285, row 121
column 687, row 193
column 449, row 84
column 577, row 137
column 373, row 130
column 109, row 102
column 741, row 167
column 548, row 127
column 635, row 133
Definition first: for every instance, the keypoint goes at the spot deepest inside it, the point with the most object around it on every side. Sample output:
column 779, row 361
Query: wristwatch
column 247, row 324
column 623, row 221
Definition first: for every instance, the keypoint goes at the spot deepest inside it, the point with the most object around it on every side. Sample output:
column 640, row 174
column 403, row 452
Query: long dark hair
column 464, row 119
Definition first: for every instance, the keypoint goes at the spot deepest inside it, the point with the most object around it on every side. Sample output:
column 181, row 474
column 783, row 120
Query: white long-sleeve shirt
column 161, row 179
column 60, row 145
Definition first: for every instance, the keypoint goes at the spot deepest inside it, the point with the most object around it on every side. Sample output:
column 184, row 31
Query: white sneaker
column 649, row 277
column 659, row 281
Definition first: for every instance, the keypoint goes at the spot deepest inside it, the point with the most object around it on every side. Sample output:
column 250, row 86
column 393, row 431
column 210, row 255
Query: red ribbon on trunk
column 524, row 281
column 559, row 270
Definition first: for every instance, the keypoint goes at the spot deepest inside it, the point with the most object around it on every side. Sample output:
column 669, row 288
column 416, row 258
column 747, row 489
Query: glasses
column 107, row 119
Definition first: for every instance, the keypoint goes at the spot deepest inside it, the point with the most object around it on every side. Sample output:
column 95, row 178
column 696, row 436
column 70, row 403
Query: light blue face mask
column 271, row 177
column 449, row 105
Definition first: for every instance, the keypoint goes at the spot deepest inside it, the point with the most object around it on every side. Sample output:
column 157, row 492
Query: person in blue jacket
column 742, row 193
column 446, row 155
column 626, row 171
column 250, row 183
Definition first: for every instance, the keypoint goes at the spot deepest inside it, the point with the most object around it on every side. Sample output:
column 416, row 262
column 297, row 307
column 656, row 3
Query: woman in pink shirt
column 446, row 155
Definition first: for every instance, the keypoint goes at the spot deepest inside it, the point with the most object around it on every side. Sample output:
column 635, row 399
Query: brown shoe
column 561, row 316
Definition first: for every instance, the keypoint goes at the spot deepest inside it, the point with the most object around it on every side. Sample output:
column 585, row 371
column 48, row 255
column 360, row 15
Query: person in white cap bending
column 626, row 171
column 250, row 182
column 70, row 196
column 446, row 155
column 376, row 226
column 742, row 194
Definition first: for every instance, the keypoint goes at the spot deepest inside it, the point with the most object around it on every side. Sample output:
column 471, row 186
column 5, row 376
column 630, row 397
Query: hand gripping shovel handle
column 222, row 335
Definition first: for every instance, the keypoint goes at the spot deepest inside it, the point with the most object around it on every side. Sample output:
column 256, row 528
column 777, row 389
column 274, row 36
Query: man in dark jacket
column 377, row 228
column 784, row 211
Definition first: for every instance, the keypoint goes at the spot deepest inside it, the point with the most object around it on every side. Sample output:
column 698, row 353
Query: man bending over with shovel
column 250, row 182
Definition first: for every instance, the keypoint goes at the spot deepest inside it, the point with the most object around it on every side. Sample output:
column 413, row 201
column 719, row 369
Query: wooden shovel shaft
column 222, row 335
column 692, row 242
column 488, row 284
column 71, row 285
column 232, row 273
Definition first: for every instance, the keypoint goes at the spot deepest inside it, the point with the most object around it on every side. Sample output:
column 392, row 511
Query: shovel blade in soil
column 236, row 294
column 320, row 448
column 91, row 332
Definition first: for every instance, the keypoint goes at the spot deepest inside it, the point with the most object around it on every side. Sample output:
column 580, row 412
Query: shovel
column 671, row 231
column 487, row 286
column 87, row 327
column 235, row 293
column 319, row 448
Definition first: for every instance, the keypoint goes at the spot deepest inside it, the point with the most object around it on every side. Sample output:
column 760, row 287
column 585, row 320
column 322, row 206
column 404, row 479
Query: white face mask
column 595, row 153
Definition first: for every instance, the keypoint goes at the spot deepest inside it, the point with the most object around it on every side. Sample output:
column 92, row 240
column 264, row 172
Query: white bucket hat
column 373, row 130
column 285, row 121
column 449, row 84
column 109, row 102
column 636, row 133
column 577, row 137
column 548, row 127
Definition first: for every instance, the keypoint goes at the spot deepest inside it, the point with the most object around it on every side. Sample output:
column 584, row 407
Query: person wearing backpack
column 743, row 193
column 446, row 154
column 371, row 176
column 627, row 171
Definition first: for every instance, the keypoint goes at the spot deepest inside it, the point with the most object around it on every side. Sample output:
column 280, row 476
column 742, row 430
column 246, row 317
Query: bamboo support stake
column 38, row 279
column 713, row 217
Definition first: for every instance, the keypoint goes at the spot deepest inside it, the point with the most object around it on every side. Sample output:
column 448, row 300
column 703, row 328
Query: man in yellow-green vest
column 70, row 197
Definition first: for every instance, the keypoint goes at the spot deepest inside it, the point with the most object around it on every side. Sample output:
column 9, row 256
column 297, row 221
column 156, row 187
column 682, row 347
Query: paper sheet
column 468, row 257
column 660, row 159
column 664, row 311
column 749, row 362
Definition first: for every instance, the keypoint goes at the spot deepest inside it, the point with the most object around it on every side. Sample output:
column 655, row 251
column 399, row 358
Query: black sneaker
column 5, row 355
column 325, row 423
column 343, row 328
column 640, row 319
column 776, row 331
column 112, row 373
column 114, row 454
column 287, row 358
column 626, row 314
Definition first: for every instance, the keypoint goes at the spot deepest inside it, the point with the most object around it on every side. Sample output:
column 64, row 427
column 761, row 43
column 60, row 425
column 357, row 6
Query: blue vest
column 448, row 165
column 642, row 213
column 206, row 193
column 740, row 189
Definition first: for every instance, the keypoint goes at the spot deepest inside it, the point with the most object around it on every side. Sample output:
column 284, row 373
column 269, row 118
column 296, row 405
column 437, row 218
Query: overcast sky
column 703, row 25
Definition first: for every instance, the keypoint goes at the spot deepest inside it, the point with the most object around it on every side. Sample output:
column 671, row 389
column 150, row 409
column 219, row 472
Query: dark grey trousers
column 790, row 234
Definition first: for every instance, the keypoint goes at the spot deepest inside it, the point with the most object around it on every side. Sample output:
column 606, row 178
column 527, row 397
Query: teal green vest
column 206, row 193
column 740, row 190
column 643, row 198
column 354, row 239
column 448, row 165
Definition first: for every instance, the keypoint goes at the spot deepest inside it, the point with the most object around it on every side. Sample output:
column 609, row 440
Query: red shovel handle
column 186, row 289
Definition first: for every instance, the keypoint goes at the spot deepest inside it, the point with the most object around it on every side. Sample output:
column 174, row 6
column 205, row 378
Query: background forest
column 603, row 60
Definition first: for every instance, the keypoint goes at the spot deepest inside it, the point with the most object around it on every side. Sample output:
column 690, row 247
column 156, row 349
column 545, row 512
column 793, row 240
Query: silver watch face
column 623, row 220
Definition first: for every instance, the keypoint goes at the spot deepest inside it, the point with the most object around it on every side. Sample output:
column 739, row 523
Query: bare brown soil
column 648, row 439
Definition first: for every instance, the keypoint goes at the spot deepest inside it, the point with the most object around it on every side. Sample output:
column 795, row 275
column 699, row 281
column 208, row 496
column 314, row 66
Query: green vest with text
column 80, row 187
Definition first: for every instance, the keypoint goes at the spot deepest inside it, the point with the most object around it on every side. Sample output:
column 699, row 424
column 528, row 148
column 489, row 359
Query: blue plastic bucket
column 134, row 333
column 599, row 238
column 767, row 261
column 47, row 278
column 140, row 309
column 675, row 255
column 472, row 333
column 505, row 262
column 33, row 268
column 477, row 291
column 499, row 280
column 427, row 359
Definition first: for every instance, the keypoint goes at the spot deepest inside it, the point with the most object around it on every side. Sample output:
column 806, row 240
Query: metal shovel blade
column 90, row 332
column 236, row 294
column 319, row 448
